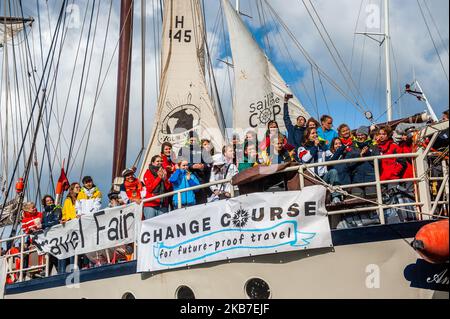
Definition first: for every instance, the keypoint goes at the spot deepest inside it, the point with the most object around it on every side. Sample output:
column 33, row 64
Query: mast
column 123, row 87
column 387, row 47
column 237, row 6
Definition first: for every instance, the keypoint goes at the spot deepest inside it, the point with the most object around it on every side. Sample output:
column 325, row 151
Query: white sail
column 184, row 104
column 9, row 31
column 259, row 88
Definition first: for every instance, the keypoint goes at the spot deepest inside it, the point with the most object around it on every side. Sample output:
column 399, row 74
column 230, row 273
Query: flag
column 63, row 183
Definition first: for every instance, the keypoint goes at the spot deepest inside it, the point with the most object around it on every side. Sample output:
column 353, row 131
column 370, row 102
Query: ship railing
column 378, row 206
column 46, row 265
column 22, row 254
column 428, row 207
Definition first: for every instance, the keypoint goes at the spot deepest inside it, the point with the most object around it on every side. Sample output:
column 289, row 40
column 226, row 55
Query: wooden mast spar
column 123, row 87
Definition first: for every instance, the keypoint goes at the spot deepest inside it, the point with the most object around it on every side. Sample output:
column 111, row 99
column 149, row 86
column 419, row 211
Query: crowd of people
column 306, row 141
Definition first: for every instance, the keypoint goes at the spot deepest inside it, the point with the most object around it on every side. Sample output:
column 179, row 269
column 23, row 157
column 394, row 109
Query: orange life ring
column 12, row 278
column 431, row 242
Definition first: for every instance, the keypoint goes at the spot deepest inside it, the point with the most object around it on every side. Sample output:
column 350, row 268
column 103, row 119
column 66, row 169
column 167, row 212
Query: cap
column 127, row 172
column 363, row 130
column 218, row 160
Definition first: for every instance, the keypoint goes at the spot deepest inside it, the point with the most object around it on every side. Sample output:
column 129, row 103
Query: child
column 89, row 199
column 182, row 179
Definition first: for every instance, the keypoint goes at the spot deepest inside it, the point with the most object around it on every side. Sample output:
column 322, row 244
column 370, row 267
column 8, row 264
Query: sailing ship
column 365, row 262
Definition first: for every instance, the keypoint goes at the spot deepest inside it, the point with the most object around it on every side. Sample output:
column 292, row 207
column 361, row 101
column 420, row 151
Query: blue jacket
column 327, row 135
column 342, row 169
column 295, row 133
column 179, row 181
column 51, row 216
column 363, row 172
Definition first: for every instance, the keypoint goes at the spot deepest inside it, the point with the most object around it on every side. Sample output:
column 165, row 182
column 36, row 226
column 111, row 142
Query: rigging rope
column 77, row 113
column 212, row 79
column 61, row 133
column 51, row 56
column 341, row 66
column 354, row 34
column 432, row 40
column 315, row 93
column 279, row 39
column 324, row 95
column 311, row 61
column 50, row 88
column 437, row 29
column 97, row 92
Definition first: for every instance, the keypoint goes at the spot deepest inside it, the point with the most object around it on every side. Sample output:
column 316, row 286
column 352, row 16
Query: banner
column 101, row 230
column 255, row 224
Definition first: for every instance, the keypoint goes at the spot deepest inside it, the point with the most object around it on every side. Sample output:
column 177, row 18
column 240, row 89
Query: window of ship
column 184, row 292
column 128, row 295
column 257, row 288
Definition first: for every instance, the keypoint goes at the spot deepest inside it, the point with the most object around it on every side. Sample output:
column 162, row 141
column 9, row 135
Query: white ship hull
column 372, row 262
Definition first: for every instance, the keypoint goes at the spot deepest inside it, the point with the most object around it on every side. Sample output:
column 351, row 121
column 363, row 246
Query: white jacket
column 89, row 201
column 227, row 171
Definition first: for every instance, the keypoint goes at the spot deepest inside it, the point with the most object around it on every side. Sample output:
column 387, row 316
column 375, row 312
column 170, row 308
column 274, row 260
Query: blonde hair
column 27, row 206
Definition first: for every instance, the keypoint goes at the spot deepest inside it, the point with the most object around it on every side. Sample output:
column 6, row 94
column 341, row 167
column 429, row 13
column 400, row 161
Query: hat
column 127, row 172
column 218, row 160
column 113, row 194
column 363, row 130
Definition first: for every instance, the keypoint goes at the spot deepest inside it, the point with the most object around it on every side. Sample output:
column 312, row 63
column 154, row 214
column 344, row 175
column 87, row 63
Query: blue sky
column 412, row 51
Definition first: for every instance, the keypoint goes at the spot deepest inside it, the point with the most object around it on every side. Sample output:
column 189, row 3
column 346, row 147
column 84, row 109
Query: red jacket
column 31, row 222
column 390, row 168
column 132, row 189
column 168, row 163
column 405, row 148
column 151, row 183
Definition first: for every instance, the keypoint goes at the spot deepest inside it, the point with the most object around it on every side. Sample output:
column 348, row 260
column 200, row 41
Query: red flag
column 63, row 183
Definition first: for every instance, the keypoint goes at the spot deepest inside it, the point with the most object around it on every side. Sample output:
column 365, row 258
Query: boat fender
column 432, row 242
column 20, row 186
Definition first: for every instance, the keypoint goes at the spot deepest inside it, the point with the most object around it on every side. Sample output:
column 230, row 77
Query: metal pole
column 439, row 194
column 376, row 166
column 387, row 47
column 445, row 171
column 302, row 178
column 21, row 258
column 47, row 265
column 422, row 172
column 237, row 6
column 180, row 204
column 430, row 108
